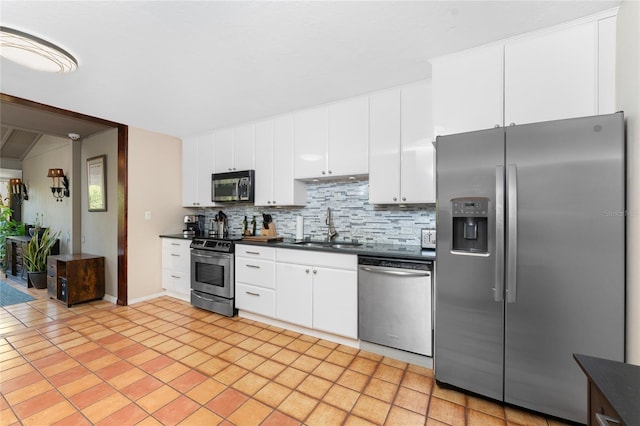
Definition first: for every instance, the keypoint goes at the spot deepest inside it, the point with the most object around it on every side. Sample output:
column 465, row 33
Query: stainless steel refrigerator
column 530, row 259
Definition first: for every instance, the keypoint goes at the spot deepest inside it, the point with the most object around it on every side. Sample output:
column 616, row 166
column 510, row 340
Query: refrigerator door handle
column 498, row 290
column 512, row 236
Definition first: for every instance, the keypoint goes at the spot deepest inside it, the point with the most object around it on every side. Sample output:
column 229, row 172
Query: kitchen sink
column 336, row 244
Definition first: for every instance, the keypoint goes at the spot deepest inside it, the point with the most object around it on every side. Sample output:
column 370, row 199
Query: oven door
column 212, row 273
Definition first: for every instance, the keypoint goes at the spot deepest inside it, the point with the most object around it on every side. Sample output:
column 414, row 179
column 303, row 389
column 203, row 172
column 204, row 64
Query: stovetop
column 224, row 245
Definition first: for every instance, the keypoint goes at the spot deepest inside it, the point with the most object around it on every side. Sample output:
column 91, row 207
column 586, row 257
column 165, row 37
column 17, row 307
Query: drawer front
column 176, row 255
column 318, row 258
column 256, row 271
column 52, row 268
column 256, row 252
column 256, row 299
column 176, row 282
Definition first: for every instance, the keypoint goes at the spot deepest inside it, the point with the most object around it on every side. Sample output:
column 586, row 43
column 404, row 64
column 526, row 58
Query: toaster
column 428, row 238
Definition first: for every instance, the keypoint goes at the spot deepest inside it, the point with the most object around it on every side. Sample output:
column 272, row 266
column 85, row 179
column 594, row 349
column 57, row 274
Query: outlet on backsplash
column 353, row 216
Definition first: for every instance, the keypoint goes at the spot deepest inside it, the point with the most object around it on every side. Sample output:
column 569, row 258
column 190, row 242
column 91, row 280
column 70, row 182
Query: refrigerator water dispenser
column 470, row 225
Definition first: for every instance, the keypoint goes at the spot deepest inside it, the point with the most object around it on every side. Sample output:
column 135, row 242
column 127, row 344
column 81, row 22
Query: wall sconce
column 57, row 177
column 18, row 190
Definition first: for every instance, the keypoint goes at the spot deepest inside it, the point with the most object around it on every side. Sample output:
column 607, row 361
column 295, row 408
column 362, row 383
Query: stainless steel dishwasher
column 394, row 303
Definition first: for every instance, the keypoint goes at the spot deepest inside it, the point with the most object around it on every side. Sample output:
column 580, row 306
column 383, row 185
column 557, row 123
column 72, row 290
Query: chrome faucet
column 331, row 231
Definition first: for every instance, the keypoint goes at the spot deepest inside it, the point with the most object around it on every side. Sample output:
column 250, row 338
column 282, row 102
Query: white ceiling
column 186, row 67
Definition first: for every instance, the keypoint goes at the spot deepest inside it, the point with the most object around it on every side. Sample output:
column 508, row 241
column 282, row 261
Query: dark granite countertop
column 618, row 382
column 176, row 236
column 396, row 251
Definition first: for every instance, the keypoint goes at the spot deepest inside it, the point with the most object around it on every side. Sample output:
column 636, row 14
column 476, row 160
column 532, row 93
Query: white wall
column 50, row 152
column 628, row 100
column 99, row 230
column 154, row 186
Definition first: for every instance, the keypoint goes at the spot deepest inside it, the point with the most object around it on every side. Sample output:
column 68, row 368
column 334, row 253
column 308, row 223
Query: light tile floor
column 166, row 362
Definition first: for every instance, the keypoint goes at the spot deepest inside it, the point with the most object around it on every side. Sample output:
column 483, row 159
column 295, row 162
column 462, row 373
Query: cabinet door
column 265, row 164
column 294, row 293
column 335, row 301
column 205, row 169
column 286, row 190
column 244, row 147
column 607, row 65
column 224, row 151
column 468, row 90
column 384, row 147
column 190, row 172
column 417, row 178
column 348, row 152
column 311, row 134
column 551, row 76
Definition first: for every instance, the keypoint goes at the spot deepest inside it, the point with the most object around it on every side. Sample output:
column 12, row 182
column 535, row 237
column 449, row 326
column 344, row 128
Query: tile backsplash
column 353, row 216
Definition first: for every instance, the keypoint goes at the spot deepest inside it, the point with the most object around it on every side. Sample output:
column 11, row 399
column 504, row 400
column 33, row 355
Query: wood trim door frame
column 123, row 143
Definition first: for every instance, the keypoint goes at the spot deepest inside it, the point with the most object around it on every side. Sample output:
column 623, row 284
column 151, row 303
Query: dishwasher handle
column 396, row 272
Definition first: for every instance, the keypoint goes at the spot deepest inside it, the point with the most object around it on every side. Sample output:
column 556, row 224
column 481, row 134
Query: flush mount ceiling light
column 33, row 52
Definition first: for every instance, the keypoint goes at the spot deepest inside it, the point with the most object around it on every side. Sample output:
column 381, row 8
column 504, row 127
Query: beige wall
column 49, row 152
column 99, row 230
column 155, row 186
column 628, row 100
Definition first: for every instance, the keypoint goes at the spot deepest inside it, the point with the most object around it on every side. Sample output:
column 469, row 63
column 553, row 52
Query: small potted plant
column 8, row 227
column 35, row 257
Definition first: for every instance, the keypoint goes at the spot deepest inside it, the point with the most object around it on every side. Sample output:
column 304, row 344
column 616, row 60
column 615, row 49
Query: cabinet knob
column 323, row 172
column 497, row 126
column 306, row 271
column 512, row 124
column 315, row 272
column 274, row 201
column 395, row 198
column 268, row 202
column 329, row 171
column 404, row 199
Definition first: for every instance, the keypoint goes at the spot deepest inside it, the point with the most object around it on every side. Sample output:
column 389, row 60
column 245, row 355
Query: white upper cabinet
column 311, row 137
column 552, row 75
column 244, row 147
column 235, row 149
column 275, row 185
column 417, row 182
column 467, row 90
column 401, row 156
column 349, row 137
column 332, row 140
column 561, row 72
column 197, row 167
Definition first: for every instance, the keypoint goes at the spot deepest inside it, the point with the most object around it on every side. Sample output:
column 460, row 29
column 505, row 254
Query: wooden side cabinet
column 75, row 278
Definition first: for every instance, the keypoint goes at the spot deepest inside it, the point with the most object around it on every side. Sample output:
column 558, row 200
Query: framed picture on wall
column 97, row 183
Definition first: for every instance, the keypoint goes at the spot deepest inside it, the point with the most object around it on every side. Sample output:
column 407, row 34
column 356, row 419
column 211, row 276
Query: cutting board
column 263, row 238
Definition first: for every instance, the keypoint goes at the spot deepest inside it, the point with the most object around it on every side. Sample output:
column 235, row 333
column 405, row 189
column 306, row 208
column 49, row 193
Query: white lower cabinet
column 318, row 290
column 176, row 267
column 312, row 289
column 255, row 279
column 335, row 301
column 294, row 294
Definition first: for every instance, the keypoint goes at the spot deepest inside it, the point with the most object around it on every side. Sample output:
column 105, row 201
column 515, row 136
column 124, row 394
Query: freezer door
column 568, row 294
column 468, row 311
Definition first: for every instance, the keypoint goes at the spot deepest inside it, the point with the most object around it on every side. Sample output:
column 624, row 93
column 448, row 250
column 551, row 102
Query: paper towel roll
column 299, row 228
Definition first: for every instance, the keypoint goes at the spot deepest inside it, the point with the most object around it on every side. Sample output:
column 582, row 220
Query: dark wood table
column 613, row 391
column 15, row 246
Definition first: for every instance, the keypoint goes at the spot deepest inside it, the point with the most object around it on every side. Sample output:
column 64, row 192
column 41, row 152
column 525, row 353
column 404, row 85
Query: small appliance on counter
column 219, row 228
column 428, row 238
column 193, row 225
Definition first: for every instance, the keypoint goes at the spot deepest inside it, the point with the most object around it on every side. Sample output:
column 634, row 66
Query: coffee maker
column 193, row 225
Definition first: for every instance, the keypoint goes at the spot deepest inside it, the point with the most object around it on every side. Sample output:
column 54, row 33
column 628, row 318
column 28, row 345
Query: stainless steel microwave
column 233, row 186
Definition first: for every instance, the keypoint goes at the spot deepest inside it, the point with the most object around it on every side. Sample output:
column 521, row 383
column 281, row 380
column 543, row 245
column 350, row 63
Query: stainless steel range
column 212, row 275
